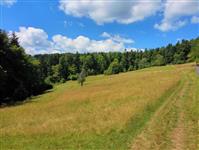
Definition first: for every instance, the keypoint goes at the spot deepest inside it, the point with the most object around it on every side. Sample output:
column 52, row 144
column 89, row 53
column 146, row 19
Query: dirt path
column 178, row 134
column 166, row 129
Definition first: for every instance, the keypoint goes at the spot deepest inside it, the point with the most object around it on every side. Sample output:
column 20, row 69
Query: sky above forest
column 58, row 26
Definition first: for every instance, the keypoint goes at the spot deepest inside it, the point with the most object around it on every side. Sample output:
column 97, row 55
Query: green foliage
column 168, row 54
column 98, row 63
column 131, row 68
column 19, row 73
column 178, row 58
column 101, row 63
column 159, row 60
column 63, row 69
column 114, row 68
column 56, row 73
column 73, row 77
column 20, row 92
column 72, row 69
column 125, row 62
column 194, row 54
column 143, row 63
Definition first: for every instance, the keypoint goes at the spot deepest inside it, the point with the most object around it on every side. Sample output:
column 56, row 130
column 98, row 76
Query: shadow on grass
column 27, row 100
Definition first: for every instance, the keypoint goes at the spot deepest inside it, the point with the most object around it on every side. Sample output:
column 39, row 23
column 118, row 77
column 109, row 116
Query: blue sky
column 91, row 25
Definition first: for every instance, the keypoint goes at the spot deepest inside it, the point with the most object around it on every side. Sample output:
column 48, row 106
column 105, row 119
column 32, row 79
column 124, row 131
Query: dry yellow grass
column 174, row 125
column 104, row 104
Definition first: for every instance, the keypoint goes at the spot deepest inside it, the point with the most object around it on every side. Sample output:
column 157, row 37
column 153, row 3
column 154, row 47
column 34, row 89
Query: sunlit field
column 145, row 109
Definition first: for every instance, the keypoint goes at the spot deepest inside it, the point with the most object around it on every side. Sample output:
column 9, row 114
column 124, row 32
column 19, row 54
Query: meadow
column 153, row 108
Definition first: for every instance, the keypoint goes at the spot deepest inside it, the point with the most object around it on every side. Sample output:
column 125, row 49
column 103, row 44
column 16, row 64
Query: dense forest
column 62, row 67
column 22, row 75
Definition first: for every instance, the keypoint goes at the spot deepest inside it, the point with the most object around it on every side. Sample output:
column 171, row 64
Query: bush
column 73, row 77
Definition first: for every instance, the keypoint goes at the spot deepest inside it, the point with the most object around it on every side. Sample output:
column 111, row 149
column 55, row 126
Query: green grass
column 109, row 112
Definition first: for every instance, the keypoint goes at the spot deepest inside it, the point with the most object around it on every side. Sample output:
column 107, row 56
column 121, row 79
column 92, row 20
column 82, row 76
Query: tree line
column 23, row 76
column 62, row 67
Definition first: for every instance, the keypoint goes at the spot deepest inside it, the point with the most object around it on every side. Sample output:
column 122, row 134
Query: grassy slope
column 109, row 112
column 175, row 124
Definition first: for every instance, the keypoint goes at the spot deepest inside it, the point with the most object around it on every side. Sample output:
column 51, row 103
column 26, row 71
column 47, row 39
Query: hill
column 24, row 76
column 153, row 108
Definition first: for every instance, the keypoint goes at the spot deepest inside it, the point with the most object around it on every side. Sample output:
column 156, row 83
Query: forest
column 62, row 67
column 20, row 75
column 23, row 75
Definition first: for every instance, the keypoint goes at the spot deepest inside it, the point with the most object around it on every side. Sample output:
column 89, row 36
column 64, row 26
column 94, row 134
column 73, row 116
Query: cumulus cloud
column 195, row 19
column 175, row 12
column 36, row 41
column 84, row 44
column 104, row 11
column 7, row 2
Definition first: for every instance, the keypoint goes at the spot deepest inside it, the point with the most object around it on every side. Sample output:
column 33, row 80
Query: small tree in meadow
column 82, row 77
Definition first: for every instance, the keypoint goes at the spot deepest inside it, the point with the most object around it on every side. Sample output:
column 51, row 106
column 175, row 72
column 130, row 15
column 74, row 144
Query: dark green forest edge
column 23, row 76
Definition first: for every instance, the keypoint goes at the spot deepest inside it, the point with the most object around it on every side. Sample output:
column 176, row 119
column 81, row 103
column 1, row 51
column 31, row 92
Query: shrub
column 73, row 77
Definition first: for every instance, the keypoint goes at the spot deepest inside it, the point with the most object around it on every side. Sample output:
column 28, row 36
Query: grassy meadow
column 153, row 108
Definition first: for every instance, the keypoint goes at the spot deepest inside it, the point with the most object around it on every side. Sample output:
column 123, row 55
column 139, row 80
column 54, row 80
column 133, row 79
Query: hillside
column 153, row 108
column 24, row 76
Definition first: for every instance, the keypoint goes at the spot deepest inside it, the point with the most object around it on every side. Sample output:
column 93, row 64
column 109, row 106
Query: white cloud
column 106, row 35
column 174, row 13
column 35, row 41
column 167, row 25
column 117, row 38
column 7, row 2
column 195, row 19
column 84, row 44
column 104, row 11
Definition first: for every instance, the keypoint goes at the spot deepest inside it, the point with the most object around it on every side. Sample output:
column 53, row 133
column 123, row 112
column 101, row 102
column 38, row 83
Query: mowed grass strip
column 104, row 114
column 175, row 124
column 191, row 114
